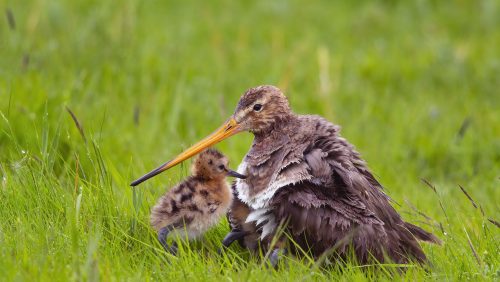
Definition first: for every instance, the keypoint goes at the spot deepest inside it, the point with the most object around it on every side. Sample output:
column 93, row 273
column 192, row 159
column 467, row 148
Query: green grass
column 146, row 79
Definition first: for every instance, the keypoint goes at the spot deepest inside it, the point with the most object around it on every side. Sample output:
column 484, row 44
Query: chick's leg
column 162, row 237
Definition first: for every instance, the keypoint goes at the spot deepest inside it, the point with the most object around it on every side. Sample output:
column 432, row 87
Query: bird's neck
column 279, row 126
column 205, row 178
column 217, row 185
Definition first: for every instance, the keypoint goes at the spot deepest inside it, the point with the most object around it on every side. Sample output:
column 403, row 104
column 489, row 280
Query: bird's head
column 212, row 164
column 259, row 110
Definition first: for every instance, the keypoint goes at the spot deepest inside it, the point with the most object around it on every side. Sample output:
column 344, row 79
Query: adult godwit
column 303, row 174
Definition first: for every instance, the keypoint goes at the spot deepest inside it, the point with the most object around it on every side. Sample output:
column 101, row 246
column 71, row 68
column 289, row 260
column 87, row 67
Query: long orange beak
column 230, row 128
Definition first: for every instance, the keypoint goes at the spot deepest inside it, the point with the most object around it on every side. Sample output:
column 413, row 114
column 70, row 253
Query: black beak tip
column 235, row 174
column 146, row 177
column 135, row 182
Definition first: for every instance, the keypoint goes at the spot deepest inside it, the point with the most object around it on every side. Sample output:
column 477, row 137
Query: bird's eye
column 257, row 107
column 221, row 167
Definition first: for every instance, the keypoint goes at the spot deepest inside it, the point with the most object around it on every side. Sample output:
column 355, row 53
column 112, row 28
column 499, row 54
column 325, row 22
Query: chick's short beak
column 228, row 129
column 235, row 174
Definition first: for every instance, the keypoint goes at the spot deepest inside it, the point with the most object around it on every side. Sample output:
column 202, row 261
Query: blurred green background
column 414, row 84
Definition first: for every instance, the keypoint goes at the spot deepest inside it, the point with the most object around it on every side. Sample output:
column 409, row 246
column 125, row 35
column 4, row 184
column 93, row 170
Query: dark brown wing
column 344, row 207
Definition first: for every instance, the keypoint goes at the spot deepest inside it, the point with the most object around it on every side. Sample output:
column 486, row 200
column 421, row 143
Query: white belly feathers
column 261, row 215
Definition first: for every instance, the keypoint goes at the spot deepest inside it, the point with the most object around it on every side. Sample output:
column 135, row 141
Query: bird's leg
column 162, row 237
column 276, row 255
column 232, row 236
column 174, row 248
column 279, row 249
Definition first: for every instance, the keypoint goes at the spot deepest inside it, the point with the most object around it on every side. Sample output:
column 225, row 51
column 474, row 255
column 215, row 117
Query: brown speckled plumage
column 301, row 171
column 197, row 203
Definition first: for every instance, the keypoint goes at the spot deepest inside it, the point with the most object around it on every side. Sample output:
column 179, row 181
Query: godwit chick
column 197, row 203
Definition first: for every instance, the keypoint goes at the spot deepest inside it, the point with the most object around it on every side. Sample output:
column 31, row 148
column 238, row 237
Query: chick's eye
column 221, row 167
column 257, row 107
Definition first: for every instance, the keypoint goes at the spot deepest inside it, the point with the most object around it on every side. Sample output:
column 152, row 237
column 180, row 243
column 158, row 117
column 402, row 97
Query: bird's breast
column 257, row 194
column 273, row 162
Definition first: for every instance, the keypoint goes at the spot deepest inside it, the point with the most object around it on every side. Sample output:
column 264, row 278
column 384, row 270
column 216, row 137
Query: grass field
column 414, row 84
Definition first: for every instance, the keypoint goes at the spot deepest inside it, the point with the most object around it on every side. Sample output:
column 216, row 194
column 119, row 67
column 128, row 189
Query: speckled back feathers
column 199, row 201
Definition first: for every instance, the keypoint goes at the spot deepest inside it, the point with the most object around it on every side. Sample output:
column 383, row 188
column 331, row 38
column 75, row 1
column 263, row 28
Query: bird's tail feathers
column 421, row 234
